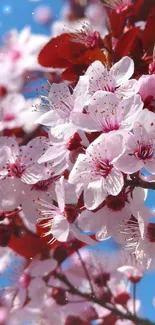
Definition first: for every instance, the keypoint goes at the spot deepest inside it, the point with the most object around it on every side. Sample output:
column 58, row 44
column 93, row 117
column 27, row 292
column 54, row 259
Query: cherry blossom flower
column 115, row 80
column 62, row 153
column 145, row 242
column 28, row 194
column 139, row 146
column 133, row 274
column 22, row 48
column 95, row 170
column 31, row 284
column 21, row 162
column 116, row 212
column 16, row 112
column 106, row 113
column 61, row 103
column 11, row 79
column 61, row 219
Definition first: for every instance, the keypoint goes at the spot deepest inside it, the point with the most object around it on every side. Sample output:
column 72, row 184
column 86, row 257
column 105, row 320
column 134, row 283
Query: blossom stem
column 134, row 298
column 136, row 320
column 140, row 183
column 86, row 272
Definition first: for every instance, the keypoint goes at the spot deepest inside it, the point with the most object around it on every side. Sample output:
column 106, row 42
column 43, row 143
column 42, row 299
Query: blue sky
column 17, row 14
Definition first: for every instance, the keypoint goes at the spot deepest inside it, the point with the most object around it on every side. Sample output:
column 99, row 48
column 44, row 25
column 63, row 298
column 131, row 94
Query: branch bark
column 140, row 183
column 136, row 320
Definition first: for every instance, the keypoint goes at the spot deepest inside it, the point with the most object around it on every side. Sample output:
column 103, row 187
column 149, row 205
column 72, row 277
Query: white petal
column 123, row 70
column 44, row 267
column 60, row 228
column 60, row 193
column 94, row 194
column 82, row 237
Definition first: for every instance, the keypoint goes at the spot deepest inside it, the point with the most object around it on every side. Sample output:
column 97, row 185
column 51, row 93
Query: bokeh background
column 18, row 14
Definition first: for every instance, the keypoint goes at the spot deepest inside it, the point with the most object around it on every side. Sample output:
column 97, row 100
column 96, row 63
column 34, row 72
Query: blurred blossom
column 43, row 15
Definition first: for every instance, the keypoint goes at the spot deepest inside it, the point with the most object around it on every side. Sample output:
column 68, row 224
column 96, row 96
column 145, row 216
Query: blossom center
column 16, row 169
column 8, row 117
column 110, row 125
column 103, row 168
column 89, row 38
column 144, row 152
column 15, row 55
column 70, row 213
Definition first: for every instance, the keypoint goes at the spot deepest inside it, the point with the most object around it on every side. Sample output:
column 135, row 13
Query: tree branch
column 75, row 291
column 140, row 183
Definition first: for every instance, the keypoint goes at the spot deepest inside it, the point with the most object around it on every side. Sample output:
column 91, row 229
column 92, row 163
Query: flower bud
column 135, row 278
column 101, row 279
column 122, row 298
column 59, row 295
column 106, row 295
column 75, row 320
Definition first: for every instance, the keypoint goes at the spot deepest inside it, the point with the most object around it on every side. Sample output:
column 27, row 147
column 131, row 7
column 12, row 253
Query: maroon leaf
column 148, row 37
column 125, row 43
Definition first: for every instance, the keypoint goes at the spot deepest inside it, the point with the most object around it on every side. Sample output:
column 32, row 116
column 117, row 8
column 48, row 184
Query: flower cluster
column 73, row 164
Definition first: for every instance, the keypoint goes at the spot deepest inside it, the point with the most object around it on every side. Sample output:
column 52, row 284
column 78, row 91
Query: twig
column 75, row 291
column 86, row 272
column 140, row 183
column 134, row 298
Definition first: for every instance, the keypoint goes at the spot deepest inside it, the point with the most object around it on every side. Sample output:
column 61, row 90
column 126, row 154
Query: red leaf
column 137, row 7
column 27, row 246
column 144, row 10
column 73, row 72
column 117, row 22
column 51, row 54
column 125, row 43
column 148, row 37
column 59, row 51
column 41, row 232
